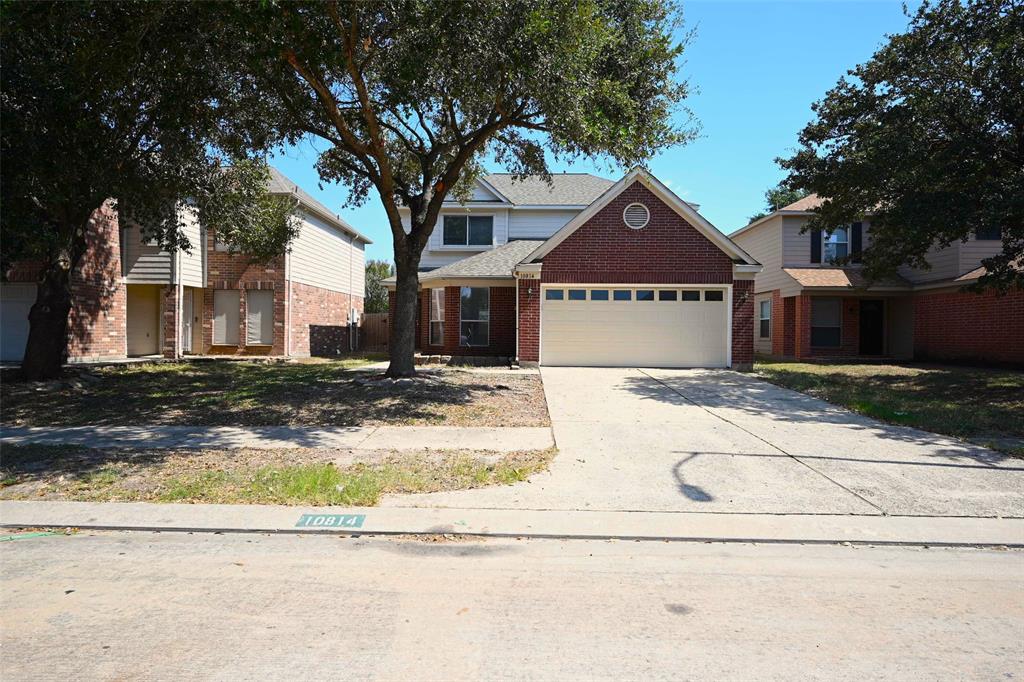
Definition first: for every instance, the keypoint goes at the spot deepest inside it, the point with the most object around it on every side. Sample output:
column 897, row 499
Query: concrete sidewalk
column 499, row 439
column 665, row 526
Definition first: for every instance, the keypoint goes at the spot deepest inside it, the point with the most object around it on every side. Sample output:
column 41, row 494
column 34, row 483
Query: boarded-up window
column 225, row 317
column 259, row 318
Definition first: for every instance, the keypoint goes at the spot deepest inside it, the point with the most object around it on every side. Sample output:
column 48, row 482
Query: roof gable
column 669, row 198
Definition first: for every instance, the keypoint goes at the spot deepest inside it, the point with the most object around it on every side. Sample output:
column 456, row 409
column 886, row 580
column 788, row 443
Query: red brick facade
column 668, row 250
column 502, row 337
column 99, row 299
column 966, row 326
column 316, row 307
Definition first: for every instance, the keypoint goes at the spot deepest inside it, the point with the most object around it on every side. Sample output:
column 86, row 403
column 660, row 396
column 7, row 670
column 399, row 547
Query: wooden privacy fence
column 373, row 332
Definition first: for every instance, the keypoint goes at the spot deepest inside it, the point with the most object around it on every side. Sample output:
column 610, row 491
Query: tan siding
column 945, row 264
column 973, row 251
column 143, row 263
column 324, row 257
column 764, row 244
column 192, row 262
column 796, row 246
column 538, row 224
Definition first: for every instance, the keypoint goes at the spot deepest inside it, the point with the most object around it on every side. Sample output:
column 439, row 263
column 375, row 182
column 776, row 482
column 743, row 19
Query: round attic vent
column 636, row 216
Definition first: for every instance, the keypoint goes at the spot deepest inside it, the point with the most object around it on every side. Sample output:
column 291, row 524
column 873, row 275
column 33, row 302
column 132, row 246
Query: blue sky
column 757, row 67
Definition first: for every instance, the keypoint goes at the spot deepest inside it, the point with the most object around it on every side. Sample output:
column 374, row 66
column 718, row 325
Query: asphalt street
column 141, row 605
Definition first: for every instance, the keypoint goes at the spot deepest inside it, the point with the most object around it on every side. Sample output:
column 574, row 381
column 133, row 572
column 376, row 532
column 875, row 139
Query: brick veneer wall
column 849, row 339
column 668, row 250
column 743, row 324
column 789, row 326
column 315, row 306
column 502, row 324
column 959, row 325
column 99, row 300
column 236, row 271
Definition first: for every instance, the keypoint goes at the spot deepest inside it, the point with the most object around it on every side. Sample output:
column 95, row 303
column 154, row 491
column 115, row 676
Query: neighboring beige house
column 131, row 298
column 805, row 306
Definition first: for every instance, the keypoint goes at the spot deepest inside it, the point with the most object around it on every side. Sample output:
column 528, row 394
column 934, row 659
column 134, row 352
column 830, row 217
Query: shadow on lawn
column 243, row 394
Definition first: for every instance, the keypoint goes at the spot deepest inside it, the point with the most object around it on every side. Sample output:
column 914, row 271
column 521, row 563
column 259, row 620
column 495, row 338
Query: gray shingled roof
column 567, row 189
column 282, row 184
column 497, row 262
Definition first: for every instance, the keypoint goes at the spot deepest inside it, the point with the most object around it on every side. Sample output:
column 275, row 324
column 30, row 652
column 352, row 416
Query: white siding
column 481, row 193
column 324, row 257
column 143, row 263
column 191, row 273
column 436, row 254
column 538, row 224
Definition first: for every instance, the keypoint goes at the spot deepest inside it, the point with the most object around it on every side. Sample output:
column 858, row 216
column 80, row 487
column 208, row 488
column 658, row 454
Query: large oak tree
column 409, row 97
column 928, row 137
column 122, row 101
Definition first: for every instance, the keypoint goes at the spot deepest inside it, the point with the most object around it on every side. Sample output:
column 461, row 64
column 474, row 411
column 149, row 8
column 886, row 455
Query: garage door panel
column 634, row 333
column 15, row 302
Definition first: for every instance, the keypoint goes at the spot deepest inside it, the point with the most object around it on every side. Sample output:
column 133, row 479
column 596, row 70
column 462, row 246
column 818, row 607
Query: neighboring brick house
column 133, row 299
column 585, row 271
column 806, row 307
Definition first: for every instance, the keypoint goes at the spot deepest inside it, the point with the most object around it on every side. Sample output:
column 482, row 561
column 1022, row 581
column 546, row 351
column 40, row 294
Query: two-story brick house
column 584, row 271
column 808, row 307
column 131, row 298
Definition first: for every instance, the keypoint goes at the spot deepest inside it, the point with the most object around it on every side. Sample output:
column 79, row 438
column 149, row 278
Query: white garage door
column 635, row 327
column 15, row 302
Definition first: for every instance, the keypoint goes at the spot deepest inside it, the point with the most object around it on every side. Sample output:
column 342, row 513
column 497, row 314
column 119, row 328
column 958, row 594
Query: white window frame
column 761, row 318
column 486, row 321
column 436, row 305
column 464, row 246
column 828, row 240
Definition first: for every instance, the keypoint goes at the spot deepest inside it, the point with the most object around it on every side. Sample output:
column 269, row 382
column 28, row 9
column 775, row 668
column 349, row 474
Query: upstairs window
column 988, row 234
column 837, row 245
column 461, row 230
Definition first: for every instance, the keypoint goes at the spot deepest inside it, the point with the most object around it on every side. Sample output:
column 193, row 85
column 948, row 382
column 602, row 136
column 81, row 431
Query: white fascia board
column 490, row 188
column 666, row 195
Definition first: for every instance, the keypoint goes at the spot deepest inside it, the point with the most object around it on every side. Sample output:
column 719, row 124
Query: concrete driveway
column 720, row 441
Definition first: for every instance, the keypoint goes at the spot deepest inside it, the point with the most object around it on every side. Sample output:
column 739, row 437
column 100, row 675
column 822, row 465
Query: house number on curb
column 331, row 521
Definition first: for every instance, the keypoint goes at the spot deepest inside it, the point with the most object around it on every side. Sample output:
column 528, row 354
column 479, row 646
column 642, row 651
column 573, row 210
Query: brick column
column 743, row 325
column 529, row 320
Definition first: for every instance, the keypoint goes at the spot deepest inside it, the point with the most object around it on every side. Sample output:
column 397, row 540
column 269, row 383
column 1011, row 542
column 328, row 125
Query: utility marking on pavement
column 25, row 536
column 331, row 521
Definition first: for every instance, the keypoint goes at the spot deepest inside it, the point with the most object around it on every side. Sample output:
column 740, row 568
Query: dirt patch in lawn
column 301, row 476
column 286, row 394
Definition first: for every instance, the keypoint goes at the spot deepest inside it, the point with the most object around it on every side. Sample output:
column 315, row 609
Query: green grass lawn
column 309, row 393
column 983, row 405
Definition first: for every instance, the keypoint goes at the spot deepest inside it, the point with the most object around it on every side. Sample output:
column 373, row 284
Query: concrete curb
column 592, row 525
column 499, row 439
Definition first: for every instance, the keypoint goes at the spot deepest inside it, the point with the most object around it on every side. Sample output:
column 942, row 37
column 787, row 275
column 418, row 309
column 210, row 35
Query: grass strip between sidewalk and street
column 290, row 476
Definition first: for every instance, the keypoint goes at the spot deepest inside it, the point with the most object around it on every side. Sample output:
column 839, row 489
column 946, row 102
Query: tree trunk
column 403, row 329
column 48, row 325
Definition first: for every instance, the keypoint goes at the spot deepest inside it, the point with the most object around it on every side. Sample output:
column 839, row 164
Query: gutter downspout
column 515, row 360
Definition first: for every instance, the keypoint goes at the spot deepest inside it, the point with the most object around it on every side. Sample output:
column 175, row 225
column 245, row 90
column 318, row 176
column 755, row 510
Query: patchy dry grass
column 983, row 405
column 292, row 476
column 294, row 394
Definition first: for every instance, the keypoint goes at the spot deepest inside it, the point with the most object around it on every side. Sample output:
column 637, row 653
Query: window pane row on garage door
column 640, row 295
column 616, row 326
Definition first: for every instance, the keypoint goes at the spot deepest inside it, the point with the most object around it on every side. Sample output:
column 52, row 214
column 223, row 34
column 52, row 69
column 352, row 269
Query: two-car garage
column 635, row 326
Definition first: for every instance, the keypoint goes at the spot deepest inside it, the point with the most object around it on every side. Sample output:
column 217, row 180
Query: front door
column 872, row 327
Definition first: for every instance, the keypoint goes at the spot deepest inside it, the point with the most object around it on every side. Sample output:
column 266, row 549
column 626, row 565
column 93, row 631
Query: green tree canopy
column 124, row 101
column 376, row 298
column 411, row 96
column 928, row 137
